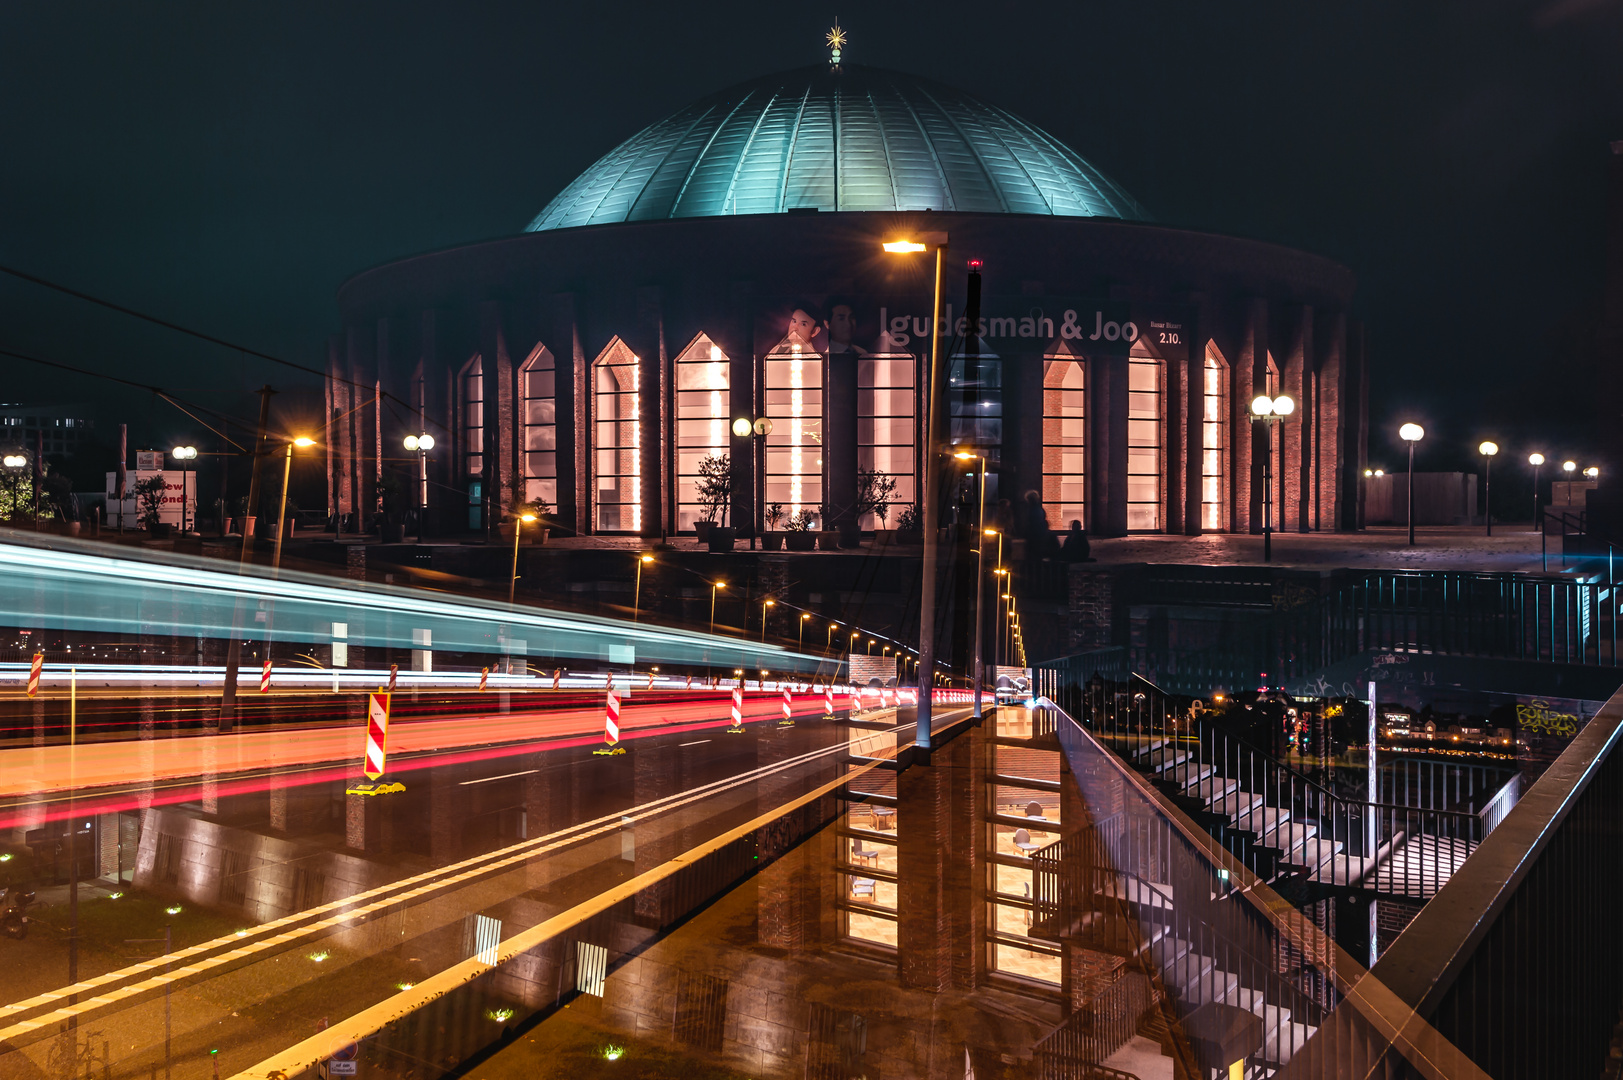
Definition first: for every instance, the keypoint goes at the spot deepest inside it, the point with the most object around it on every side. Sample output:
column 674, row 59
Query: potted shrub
column 715, row 492
column 149, row 501
column 875, row 488
column 910, row 526
column 772, row 540
column 828, row 538
column 799, row 535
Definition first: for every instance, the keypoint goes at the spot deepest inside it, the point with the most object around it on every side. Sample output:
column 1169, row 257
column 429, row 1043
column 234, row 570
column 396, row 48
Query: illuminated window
column 975, row 395
column 1064, row 427
column 1144, row 459
column 616, row 440
column 793, row 381
column 886, row 428
column 473, row 416
column 1023, row 801
column 1214, row 445
column 537, row 386
column 702, row 412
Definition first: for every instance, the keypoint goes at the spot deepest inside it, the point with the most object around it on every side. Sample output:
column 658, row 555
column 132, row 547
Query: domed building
column 726, row 264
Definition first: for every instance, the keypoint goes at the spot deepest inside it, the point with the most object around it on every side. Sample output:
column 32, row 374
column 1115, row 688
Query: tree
column 149, row 495
column 16, row 495
column 875, row 487
column 715, row 487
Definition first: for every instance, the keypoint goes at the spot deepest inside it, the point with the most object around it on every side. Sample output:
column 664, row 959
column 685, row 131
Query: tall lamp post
column 1487, row 450
column 184, row 455
column 932, row 438
column 421, row 445
column 281, row 514
column 1536, row 460
column 636, row 595
column 518, row 530
column 980, row 573
column 1269, row 411
column 714, row 586
column 1411, row 434
column 803, row 617
column 768, row 602
column 828, row 644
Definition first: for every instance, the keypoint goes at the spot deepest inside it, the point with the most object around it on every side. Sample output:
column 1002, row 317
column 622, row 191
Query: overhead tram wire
column 179, row 329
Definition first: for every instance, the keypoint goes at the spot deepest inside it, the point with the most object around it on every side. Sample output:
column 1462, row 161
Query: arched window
column 792, row 377
column 1214, row 443
column 539, row 405
column 702, row 416
column 616, row 440
column 1064, row 435
column 1145, row 460
column 886, row 428
column 473, row 416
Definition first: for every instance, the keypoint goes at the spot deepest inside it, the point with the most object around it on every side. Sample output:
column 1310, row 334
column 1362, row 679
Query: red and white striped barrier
column 828, row 700
column 264, row 677
column 33, row 673
column 738, row 706
column 377, row 734
column 650, row 680
column 690, row 682
column 557, row 677
column 484, row 677
column 788, row 707
column 394, row 673
column 611, row 718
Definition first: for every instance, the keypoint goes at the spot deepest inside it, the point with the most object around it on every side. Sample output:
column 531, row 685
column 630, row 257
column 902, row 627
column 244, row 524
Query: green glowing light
column 613, row 1053
column 318, row 957
column 114, row 896
column 404, row 986
column 6, row 857
column 175, row 910
column 501, row 1016
column 242, row 933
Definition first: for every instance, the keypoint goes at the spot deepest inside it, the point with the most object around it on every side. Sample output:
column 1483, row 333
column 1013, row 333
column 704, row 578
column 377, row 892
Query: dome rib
column 845, row 140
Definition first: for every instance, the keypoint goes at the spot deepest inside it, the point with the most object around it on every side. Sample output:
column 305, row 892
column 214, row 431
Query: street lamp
column 518, row 528
column 301, row 442
column 421, row 445
column 980, row 574
column 183, row 454
column 1536, row 460
column 1487, row 450
column 803, row 617
column 871, row 644
column 936, row 403
column 828, row 643
column 1269, row 411
column 636, row 594
column 1411, row 434
column 714, row 585
column 760, row 427
column 769, row 602
column 1592, row 472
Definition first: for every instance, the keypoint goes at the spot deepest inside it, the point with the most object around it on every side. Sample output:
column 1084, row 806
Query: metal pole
column 281, row 513
column 512, row 582
column 927, row 589
column 233, row 649
column 1538, row 523
column 1487, row 492
column 636, row 594
column 1268, row 493
column 1411, row 493
column 980, row 586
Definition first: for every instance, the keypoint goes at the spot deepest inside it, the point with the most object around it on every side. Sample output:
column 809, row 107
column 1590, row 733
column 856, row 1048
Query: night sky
column 227, row 166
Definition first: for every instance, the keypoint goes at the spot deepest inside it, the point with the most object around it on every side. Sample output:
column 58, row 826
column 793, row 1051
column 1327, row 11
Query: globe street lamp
column 183, row 454
column 518, row 530
column 421, row 445
column 1269, row 411
column 1536, row 460
column 1411, row 434
column 1592, row 473
column 936, row 404
column 760, row 427
column 1487, row 450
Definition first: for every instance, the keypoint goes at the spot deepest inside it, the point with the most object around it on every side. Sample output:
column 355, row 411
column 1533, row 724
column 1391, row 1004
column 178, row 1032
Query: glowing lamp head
column 903, row 247
column 1411, row 432
column 989, row 532
column 410, row 442
column 1380, row 472
column 721, row 584
column 1535, row 459
column 1592, row 472
column 1369, row 472
column 425, row 442
column 15, row 461
column 770, row 603
column 1262, row 405
column 526, row 518
column 1284, row 405
column 303, row 441
column 1488, row 449
column 646, row 558
column 741, row 426
column 1569, row 466
column 184, row 453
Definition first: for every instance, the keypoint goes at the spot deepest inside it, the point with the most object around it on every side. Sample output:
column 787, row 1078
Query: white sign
column 168, row 511
column 341, row 1068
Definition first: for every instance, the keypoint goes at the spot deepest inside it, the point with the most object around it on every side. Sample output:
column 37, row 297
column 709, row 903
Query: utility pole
column 933, row 442
column 233, row 648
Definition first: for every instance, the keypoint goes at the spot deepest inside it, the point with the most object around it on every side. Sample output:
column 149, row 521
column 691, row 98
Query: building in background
column 725, row 263
column 64, row 429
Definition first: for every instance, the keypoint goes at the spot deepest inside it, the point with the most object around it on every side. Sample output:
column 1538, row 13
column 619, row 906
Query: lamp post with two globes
column 1536, row 460
column 421, row 445
column 1269, row 411
column 1488, row 450
column 1411, row 434
column 184, row 455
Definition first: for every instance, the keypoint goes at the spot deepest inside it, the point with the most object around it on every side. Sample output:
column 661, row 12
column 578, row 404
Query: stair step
column 1211, row 787
column 1315, row 852
column 1289, row 835
column 1236, row 803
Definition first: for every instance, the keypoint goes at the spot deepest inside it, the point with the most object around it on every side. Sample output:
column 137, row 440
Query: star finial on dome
column 836, row 41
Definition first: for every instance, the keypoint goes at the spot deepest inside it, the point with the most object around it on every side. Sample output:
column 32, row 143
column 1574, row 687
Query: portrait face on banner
column 841, row 325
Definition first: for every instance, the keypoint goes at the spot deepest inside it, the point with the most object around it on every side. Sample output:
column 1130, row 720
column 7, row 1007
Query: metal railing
column 1279, row 821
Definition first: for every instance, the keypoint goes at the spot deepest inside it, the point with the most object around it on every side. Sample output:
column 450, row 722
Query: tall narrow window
column 793, row 380
column 1214, row 444
column 886, row 428
column 616, row 440
column 1144, row 458
column 702, row 410
column 473, row 416
column 537, row 386
column 1064, row 454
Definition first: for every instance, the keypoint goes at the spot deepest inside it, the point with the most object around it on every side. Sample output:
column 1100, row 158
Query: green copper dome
column 837, row 139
